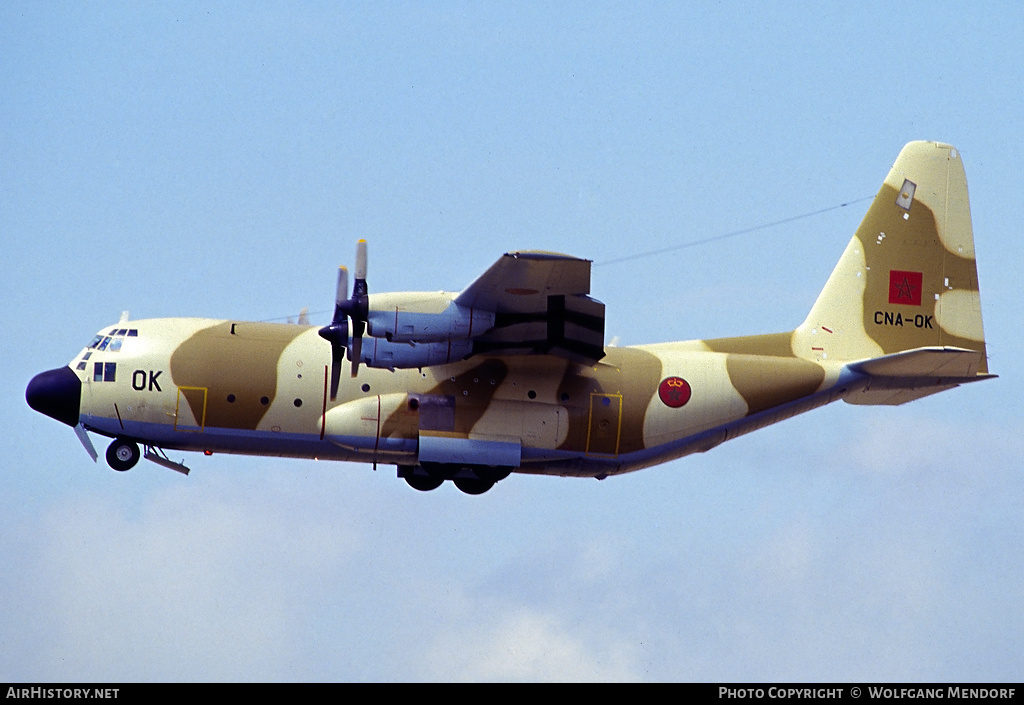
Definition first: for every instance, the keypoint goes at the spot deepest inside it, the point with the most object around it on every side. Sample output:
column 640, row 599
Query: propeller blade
column 358, row 328
column 358, row 307
column 342, row 294
column 361, row 260
column 355, row 307
column 359, row 302
column 336, row 333
column 337, row 352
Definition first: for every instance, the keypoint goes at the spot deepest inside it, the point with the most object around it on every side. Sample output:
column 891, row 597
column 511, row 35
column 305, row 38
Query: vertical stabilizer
column 908, row 278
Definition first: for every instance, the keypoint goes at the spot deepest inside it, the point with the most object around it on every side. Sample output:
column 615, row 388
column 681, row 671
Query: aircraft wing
column 542, row 305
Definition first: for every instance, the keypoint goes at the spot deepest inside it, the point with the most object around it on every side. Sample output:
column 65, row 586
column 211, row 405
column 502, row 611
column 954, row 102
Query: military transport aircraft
column 512, row 375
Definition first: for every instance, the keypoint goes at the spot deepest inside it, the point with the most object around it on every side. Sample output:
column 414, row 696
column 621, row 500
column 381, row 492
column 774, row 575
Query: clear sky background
column 214, row 160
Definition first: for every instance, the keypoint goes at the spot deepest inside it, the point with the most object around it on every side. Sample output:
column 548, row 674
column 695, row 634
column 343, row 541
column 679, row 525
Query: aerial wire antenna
column 691, row 243
column 734, row 233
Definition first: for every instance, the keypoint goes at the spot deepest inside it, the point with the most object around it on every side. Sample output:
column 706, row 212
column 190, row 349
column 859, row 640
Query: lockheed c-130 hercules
column 512, row 374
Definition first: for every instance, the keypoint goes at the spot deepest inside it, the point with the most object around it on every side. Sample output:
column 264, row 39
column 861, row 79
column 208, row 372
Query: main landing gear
column 471, row 479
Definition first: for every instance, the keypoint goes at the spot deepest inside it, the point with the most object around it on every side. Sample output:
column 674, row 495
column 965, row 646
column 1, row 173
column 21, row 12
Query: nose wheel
column 123, row 454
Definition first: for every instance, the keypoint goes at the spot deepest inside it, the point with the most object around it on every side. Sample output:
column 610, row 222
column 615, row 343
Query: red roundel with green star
column 674, row 392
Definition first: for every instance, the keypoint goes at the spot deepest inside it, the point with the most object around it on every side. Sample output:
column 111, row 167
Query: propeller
column 356, row 308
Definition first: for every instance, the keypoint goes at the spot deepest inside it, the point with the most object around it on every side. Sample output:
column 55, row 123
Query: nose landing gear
column 123, row 454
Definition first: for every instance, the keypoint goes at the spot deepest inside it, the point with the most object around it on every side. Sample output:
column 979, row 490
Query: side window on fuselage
column 104, row 371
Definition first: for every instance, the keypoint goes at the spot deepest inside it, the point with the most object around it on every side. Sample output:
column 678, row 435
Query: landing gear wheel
column 494, row 474
column 473, row 485
column 441, row 470
column 123, row 454
column 424, row 483
column 421, row 477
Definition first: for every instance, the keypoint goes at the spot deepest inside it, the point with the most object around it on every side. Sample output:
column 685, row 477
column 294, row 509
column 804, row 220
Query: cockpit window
column 113, row 341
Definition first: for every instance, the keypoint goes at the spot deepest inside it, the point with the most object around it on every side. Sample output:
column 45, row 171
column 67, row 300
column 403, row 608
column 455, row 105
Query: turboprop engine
column 421, row 317
column 390, row 355
column 405, row 329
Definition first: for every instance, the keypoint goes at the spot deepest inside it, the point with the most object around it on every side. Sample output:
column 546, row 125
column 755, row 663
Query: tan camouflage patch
column 767, row 382
column 237, row 364
column 774, row 344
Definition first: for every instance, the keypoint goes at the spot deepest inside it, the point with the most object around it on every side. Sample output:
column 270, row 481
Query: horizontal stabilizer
column 912, row 374
column 924, row 362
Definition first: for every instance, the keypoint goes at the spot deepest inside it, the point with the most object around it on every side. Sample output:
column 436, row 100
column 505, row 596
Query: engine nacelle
column 422, row 317
column 389, row 355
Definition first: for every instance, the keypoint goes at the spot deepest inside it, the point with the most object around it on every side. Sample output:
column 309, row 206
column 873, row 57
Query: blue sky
column 183, row 159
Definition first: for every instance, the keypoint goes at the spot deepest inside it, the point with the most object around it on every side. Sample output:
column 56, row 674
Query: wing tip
column 544, row 255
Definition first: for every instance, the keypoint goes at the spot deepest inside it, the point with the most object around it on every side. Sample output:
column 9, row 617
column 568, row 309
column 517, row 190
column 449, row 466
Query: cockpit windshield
column 111, row 342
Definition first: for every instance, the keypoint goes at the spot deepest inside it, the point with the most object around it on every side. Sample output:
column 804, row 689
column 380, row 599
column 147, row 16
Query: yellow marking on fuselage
column 600, row 439
column 201, row 420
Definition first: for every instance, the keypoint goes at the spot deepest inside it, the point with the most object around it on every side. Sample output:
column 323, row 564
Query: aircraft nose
column 56, row 393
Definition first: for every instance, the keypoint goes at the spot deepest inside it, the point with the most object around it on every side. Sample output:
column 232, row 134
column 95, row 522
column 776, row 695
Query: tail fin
column 908, row 279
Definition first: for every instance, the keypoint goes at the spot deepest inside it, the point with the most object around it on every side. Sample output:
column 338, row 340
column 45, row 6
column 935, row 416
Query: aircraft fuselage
column 262, row 388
